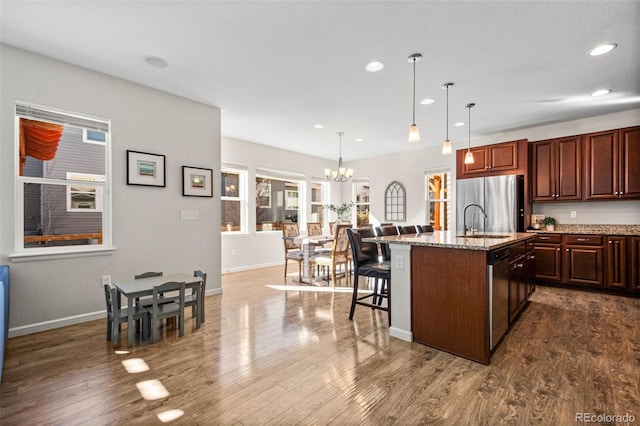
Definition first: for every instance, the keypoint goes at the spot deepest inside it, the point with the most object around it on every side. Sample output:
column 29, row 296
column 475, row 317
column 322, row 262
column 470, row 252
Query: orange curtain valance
column 38, row 140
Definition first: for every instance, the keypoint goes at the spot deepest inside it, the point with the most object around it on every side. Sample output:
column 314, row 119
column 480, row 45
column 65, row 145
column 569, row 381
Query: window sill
column 66, row 254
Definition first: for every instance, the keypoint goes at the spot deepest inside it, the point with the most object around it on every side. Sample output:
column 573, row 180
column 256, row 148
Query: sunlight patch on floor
column 314, row 288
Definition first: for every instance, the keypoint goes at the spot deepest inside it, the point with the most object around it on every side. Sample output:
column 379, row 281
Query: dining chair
column 425, row 228
column 116, row 315
column 292, row 251
column 364, row 264
column 146, row 302
column 197, row 303
column 408, row 229
column 160, row 309
column 338, row 256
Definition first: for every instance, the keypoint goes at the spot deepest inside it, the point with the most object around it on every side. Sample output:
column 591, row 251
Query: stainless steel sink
column 484, row 236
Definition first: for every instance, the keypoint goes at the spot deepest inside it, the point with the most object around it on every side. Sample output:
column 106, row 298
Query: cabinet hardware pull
column 544, row 238
column 610, row 242
column 567, row 249
column 583, row 239
column 520, row 265
column 559, row 249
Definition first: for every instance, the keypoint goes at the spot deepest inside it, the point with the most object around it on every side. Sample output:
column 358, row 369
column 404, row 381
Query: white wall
column 147, row 231
column 256, row 249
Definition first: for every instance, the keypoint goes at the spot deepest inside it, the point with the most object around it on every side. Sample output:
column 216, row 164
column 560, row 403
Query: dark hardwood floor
column 275, row 354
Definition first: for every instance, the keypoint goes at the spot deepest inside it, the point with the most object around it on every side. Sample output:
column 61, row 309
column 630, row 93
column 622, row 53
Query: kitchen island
column 458, row 294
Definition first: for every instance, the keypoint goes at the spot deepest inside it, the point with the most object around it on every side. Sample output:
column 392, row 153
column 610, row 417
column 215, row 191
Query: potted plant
column 549, row 223
column 341, row 210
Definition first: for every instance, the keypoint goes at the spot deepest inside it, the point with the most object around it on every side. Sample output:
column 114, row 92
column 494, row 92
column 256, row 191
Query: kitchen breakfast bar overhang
column 459, row 294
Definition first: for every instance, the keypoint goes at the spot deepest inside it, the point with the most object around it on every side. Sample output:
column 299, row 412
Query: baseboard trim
column 73, row 320
column 398, row 333
column 251, row 267
column 56, row 323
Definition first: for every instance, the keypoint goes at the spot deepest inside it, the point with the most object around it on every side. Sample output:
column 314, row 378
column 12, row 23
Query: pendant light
column 468, row 158
column 414, row 133
column 446, row 145
column 342, row 174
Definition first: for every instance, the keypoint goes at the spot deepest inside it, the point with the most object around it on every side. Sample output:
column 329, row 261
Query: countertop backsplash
column 606, row 213
column 593, row 229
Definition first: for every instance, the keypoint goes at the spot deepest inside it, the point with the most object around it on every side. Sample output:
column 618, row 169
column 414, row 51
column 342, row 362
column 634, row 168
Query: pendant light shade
column 414, row 133
column 468, row 158
column 446, row 145
column 342, row 174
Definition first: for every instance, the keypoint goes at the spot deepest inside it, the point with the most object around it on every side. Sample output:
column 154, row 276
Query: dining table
column 133, row 289
column 309, row 244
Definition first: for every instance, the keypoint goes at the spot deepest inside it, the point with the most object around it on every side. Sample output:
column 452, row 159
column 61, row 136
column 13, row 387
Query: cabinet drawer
column 591, row 240
column 548, row 238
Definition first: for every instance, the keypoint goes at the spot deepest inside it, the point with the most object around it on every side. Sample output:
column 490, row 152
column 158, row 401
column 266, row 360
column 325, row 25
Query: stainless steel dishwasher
column 498, row 295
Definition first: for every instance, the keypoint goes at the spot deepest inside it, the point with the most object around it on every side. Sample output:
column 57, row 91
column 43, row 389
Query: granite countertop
column 448, row 239
column 592, row 229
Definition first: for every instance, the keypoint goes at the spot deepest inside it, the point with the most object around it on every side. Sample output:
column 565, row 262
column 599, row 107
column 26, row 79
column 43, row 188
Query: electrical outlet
column 399, row 262
column 574, row 214
column 189, row 214
column 105, row 279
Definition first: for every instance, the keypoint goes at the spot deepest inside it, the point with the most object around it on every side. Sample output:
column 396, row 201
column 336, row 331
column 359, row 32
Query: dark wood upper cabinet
column 492, row 160
column 555, row 169
column 612, row 164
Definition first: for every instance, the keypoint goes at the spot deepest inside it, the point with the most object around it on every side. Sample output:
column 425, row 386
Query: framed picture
column 145, row 169
column 197, row 182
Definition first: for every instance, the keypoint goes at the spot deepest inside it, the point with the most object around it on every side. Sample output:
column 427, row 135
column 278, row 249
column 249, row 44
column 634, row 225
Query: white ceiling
column 276, row 68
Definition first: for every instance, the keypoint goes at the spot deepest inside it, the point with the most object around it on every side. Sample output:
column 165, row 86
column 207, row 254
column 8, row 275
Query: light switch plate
column 574, row 214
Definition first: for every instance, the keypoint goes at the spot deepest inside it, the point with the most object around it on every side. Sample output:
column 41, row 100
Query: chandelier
column 342, row 174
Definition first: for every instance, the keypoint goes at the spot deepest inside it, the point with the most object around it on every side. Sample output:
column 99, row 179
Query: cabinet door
column 616, row 262
column 480, row 163
column 568, row 175
column 503, row 156
column 583, row 265
column 543, row 171
column 634, row 263
column 630, row 164
column 515, row 277
column 547, row 262
column 602, row 165
column 529, row 273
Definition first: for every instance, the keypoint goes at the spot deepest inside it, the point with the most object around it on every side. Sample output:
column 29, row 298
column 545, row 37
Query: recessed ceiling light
column 601, row 50
column 374, row 66
column 155, row 61
column 601, row 92
column 427, row 101
column 318, row 126
column 359, row 140
column 459, row 124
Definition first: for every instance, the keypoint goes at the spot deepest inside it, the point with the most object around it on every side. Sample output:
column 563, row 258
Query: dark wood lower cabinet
column 548, row 261
column 616, row 262
column 634, row 263
column 583, row 265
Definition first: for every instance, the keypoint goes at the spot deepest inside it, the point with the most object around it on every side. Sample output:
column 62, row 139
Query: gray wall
column 147, row 231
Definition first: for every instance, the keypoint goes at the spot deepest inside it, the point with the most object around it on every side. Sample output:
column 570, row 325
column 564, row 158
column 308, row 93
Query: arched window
column 395, row 202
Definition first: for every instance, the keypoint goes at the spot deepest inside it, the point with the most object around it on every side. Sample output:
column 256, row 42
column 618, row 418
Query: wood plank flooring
column 278, row 354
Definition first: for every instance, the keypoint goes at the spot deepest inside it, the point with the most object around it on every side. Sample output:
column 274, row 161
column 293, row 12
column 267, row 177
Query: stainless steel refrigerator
column 502, row 198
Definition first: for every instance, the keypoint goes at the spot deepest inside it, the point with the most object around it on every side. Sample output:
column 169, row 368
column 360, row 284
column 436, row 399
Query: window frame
column 241, row 171
column 67, row 118
column 325, row 195
column 354, row 198
column 446, row 200
column 282, row 176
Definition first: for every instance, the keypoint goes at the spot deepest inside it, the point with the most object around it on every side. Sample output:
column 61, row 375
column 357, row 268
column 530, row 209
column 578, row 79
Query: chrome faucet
column 464, row 215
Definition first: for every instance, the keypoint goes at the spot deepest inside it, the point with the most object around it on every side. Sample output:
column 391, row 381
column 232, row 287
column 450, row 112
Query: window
column 62, row 182
column 438, row 190
column 233, row 199
column 361, row 195
column 278, row 199
column 395, row 202
column 319, row 197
